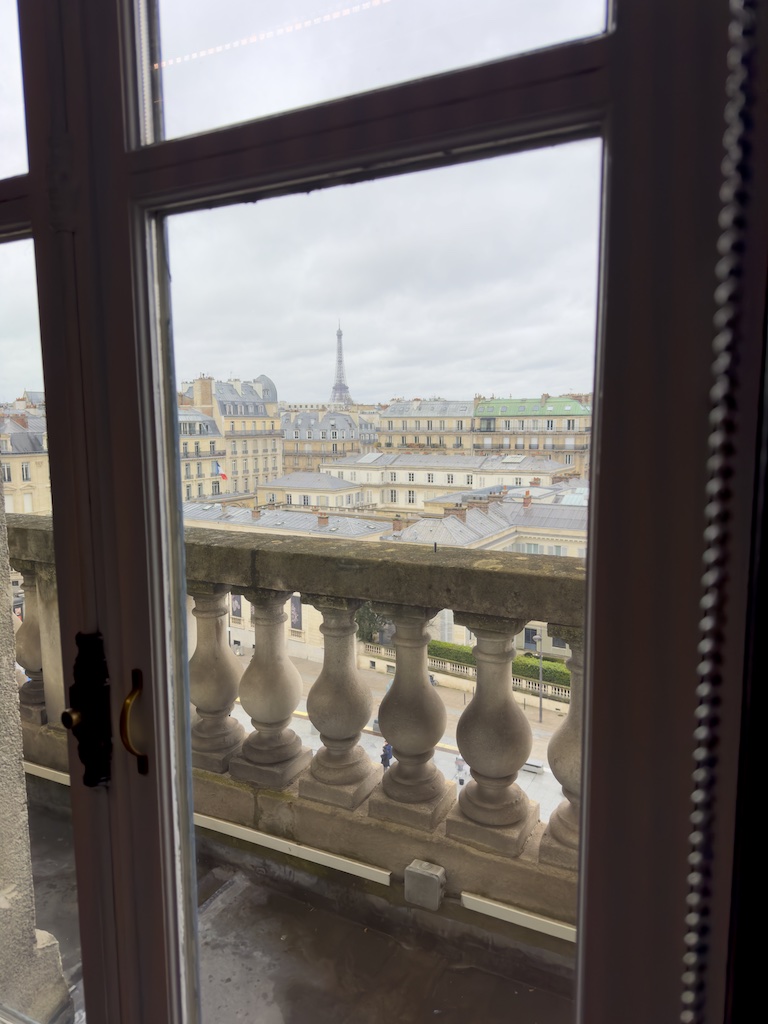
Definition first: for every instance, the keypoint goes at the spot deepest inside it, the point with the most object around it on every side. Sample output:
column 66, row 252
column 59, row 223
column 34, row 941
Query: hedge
column 451, row 652
column 527, row 665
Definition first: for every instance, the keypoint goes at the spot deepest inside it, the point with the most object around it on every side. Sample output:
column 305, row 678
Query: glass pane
column 40, row 971
column 234, row 61
column 13, row 151
column 378, row 384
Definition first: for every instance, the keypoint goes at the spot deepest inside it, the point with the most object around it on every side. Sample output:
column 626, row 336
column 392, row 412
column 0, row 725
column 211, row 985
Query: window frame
column 97, row 259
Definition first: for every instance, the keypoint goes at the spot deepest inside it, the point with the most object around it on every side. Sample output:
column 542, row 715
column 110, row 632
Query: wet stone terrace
column 271, row 955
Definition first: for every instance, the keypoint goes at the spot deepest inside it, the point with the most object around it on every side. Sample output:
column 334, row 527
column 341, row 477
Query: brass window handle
column 142, row 761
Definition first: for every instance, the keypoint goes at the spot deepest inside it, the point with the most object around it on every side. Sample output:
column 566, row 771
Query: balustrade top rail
column 498, row 583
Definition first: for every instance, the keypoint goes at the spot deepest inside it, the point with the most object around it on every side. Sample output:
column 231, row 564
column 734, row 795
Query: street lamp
column 538, row 638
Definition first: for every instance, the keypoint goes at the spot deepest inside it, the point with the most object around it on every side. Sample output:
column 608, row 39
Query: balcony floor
column 273, row 957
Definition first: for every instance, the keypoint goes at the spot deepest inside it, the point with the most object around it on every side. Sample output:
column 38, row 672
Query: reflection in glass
column 232, row 61
column 403, row 365
column 13, row 147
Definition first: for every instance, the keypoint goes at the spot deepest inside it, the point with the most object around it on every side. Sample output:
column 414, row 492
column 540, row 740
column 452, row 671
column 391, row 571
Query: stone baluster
column 339, row 705
column 50, row 643
column 270, row 689
column 495, row 739
column 214, row 679
column 29, row 653
column 560, row 842
column 412, row 718
column 31, row 978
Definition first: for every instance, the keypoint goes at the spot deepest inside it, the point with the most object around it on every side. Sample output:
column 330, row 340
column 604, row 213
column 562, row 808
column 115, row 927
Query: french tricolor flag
column 219, row 472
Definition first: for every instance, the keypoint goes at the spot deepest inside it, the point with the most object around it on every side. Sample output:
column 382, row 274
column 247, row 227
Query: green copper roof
column 531, row 406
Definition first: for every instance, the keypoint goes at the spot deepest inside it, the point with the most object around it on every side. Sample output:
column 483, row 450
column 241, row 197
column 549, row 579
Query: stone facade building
column 247, row 417
column 313, row 437
column 559, row 426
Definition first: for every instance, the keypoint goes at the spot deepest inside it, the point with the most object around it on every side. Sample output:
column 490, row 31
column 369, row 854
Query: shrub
column 527, row 665
column 451, row 652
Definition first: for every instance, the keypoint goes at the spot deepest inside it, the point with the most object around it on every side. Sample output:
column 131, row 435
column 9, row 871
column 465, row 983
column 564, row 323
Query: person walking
column 386, row 755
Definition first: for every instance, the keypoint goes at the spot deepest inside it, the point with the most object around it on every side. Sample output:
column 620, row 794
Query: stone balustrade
column 490, row 841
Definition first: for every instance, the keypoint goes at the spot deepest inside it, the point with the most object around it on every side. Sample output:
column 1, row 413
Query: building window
column 200, row 491
column 188, row 492
column 25, row 473
column 404, row 425
column 411, row 497
column 411, row 478
column 393, row 477
column 518, row 481
column 393, row 497
column 187, row 470
column 441, row 425
column 449, row 478
column 570, row 424
column 199, row 469
column 353, row 476
column 305, row 499
column 430, row 478
column 470, row 478
column 234, row 467
column 6, row 473
column 429, row 425
column 529, row 643
column 212, row 446
column 323, row 435
column 558, row 642
column 233, row 447
column 184, row 447
column 569, row 460
column 390, row 424
column 334, row 434
column 215, row 487
column 403, row 440
column 550, row 424
column 296, row 434
column 334, row 448
column 459, row 424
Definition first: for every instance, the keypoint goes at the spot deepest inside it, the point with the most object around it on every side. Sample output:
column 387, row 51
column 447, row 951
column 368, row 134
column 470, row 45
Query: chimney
column 536, row 481
column 322, row 519
column 459, row 511
column 202, row 394
column 496, row 496
column 527, row 500
column 481, row 503
column 397, row 524
column 255, row 513
column 21, row 418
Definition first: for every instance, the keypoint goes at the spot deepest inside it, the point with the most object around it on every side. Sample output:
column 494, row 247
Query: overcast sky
column 479, row 278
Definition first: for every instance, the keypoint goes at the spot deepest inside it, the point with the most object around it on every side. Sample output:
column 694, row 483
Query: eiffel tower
column 340, row 392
